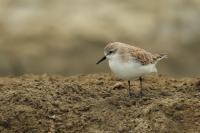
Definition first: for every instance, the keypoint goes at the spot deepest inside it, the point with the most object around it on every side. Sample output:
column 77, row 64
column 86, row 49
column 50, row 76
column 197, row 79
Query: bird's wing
column 143, row 56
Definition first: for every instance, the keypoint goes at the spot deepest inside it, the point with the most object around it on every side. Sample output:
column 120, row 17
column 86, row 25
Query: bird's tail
column 160, row 57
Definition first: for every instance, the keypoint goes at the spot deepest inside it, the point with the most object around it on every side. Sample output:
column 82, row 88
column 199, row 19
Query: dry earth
column 98, row 103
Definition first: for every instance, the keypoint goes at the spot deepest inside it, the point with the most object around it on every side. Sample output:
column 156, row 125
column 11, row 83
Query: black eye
column 110, row 52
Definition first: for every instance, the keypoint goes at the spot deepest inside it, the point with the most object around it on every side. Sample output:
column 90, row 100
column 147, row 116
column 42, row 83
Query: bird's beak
column 102, row 59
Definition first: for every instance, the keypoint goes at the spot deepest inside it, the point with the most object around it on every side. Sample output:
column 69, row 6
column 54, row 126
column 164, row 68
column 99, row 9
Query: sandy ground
column 98, row 104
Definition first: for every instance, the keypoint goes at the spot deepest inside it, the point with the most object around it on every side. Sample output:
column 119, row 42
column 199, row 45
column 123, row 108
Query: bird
column 129, row 62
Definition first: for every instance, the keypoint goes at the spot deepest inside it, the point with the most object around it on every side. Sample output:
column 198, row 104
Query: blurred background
column 68, row 36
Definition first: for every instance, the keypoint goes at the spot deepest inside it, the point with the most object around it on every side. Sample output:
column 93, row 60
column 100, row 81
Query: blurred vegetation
column 67, row 36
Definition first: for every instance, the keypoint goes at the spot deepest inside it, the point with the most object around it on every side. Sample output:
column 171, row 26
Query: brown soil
column 97, row 104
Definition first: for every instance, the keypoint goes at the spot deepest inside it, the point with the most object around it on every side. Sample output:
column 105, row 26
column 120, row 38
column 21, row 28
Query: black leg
column 141, row 88
column 129, row 88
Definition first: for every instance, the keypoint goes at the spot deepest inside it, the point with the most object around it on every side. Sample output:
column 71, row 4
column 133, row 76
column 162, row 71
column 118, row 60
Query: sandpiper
column 129, row 62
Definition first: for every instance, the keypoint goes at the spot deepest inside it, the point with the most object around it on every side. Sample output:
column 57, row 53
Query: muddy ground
column 98, row 104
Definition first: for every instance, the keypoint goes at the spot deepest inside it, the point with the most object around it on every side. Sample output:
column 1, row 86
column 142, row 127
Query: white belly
column 130, row 70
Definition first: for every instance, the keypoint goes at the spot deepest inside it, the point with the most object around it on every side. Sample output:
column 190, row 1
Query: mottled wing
column 143, row 56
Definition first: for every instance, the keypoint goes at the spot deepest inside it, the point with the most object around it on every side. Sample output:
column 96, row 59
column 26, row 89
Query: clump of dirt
column 98, row 103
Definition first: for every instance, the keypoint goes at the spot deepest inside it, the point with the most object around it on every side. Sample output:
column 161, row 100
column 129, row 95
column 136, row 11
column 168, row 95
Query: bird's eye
column 110, row 52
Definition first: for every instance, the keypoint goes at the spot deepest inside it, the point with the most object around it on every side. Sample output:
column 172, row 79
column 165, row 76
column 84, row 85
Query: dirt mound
column 98, row 103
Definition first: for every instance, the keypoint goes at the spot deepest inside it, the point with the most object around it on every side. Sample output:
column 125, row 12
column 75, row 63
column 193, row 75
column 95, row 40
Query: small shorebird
column 129, row 62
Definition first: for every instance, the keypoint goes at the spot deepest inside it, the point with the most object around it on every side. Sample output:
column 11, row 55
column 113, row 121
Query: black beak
column 102, row 59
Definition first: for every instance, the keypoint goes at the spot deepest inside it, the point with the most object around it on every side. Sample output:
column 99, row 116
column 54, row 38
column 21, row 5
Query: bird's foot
column 140, row 94
column 130, row 94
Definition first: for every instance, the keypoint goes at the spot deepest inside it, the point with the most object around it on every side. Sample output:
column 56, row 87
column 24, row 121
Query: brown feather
column 128, row 51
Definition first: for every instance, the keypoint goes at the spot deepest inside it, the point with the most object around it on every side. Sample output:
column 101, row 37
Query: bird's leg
column 141, row 88
column 129, row 88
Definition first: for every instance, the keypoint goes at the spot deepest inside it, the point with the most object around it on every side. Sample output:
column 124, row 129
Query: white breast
column 130, row 70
